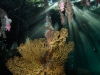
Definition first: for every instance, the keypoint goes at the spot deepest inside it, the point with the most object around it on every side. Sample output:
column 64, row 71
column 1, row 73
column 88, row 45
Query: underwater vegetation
column 38, row 60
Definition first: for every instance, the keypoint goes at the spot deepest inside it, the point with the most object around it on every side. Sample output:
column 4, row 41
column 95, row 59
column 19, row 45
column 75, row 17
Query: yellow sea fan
column 37, row 59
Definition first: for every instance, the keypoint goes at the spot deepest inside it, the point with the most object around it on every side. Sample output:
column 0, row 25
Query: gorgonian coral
column 38, row 60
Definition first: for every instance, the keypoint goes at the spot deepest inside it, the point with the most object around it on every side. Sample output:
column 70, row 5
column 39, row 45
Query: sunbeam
column 40, row 27
column 86, row 31
column 50, row 37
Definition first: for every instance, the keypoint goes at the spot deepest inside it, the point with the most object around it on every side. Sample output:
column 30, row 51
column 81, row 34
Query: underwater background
column 28, row 21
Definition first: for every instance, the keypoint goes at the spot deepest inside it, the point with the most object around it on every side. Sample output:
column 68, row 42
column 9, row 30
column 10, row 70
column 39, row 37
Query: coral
column 38, row 60
column 65, row 8
column 5, row 23
column 61, row 5
column 88, row 2
column 49, row 28
column 68, row 10
column 63, row 19
column 85, row 2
